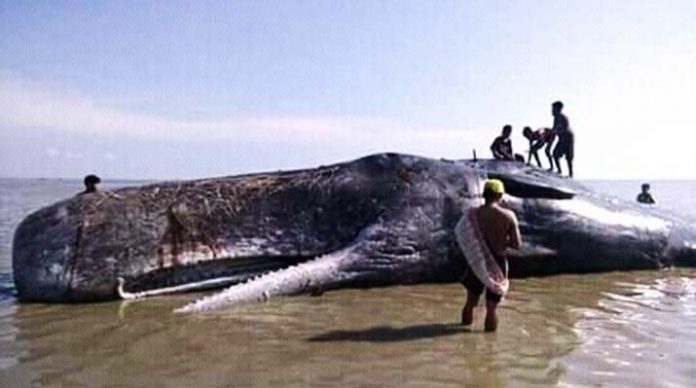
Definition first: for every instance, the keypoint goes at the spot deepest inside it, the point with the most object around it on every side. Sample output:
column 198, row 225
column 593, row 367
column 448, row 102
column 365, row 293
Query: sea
column 618, row 329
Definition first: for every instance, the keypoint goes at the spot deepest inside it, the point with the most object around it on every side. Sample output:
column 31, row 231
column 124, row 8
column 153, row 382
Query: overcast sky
column 164, row 90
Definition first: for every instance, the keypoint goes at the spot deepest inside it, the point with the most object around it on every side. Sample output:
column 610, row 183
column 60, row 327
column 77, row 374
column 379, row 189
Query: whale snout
column 40, row 271
column 44, row 245
column 41, row 284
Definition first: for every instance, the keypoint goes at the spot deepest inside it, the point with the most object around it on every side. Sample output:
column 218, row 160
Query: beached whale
column 380, row 220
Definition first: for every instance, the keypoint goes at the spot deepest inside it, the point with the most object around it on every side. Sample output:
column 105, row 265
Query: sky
column 179, row 90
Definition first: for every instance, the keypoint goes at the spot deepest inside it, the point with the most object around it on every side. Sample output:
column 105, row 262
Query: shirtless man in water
column 500, row 230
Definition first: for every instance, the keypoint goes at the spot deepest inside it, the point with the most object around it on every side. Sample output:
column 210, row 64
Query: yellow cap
column 495, row 186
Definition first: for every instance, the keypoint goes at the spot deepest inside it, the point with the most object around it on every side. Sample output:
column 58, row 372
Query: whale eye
column 522, row 186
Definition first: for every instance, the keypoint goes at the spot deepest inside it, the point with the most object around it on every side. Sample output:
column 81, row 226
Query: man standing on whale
column 566, row 138
column 498, row 229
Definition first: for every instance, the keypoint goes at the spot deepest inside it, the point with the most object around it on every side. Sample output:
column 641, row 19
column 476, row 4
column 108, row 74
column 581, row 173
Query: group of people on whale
column 541, row 138
column 545, row 138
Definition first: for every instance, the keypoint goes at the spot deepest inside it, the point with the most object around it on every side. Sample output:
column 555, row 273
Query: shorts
column 564, row 147
column 474, row 285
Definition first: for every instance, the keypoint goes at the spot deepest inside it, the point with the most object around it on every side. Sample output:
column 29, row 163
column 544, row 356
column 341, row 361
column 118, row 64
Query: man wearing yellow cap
column 499, row 230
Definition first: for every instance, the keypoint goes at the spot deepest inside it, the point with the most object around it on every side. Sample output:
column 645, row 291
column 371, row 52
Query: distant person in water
column 566, row 138
column 644, row 196
column 537, row 139
column 502, row 146
column 91, row 182
column 499, row 229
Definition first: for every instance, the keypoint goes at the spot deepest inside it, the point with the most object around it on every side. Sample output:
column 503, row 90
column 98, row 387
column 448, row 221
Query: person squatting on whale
column 537, row 139
column 497, row 229
column 502, row 145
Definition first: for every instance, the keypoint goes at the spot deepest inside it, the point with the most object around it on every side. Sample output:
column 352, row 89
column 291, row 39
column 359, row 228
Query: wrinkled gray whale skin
column 383, row 219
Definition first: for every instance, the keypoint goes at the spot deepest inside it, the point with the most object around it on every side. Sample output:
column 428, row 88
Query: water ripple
column 638, row 332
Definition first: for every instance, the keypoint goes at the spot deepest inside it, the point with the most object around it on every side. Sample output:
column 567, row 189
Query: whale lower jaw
column 321, row 273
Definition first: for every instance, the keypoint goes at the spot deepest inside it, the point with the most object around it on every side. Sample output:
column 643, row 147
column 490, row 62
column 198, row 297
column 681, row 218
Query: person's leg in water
column 492, row 301
column 474, row 289
column 472, row 300
column 491, row 323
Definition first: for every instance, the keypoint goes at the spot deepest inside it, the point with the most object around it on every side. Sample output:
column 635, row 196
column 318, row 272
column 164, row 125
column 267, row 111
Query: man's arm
column 495, row 148
column 514, row 238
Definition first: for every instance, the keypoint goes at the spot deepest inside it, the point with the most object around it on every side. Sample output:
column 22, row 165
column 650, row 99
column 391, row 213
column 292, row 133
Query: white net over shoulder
column 478, row 255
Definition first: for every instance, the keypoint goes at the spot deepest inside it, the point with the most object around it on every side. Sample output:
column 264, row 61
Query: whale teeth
column 291, row 280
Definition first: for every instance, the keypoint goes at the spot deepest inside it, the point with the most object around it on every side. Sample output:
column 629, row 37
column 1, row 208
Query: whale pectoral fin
column 531, row 259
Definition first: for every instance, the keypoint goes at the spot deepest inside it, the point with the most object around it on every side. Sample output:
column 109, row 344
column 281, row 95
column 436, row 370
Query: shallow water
column 632, row 329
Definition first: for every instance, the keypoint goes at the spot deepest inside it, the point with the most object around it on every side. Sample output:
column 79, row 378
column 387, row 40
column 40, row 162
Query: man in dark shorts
column 502, row 146
column 566, row 138
column 537, row 139
column 500, row 230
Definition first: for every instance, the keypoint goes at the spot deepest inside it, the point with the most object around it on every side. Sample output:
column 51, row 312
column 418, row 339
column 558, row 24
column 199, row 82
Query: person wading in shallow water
column 91, row 182
column 644, row 196
column 500, row 230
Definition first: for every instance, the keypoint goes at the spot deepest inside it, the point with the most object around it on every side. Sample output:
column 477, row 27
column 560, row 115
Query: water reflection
column 640, row 335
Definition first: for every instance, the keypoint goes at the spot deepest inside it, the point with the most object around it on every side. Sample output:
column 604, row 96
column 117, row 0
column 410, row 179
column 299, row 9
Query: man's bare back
column 499, row 228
